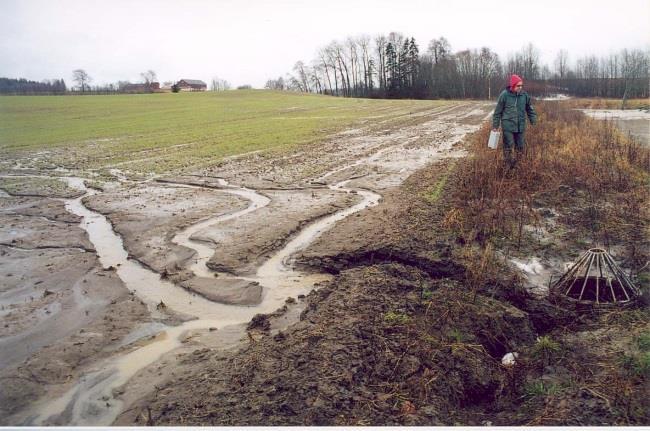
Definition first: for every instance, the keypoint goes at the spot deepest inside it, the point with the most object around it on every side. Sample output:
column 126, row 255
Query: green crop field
column 174, row 132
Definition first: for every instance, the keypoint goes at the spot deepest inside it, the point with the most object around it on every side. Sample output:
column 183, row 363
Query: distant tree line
column 24, row 87
column 82, row 85
column 621, row 75
column 394, row 66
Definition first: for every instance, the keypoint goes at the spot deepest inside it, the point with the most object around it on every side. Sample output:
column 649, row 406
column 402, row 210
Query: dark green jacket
column 511, row 111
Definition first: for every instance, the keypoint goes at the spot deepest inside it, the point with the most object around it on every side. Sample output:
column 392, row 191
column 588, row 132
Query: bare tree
column 489, row 64
column 439, row 49
column 380, row 46
column 330, row 50
column 337, row 51
column 526, row 62
column 325, row 64
column 218, row 84
column 352, row 58
column 634, row 66
column 315, row 77
column 275, row 84
column 530, row 57
column 442, row 66
column 82, row 79
column 364, row 43
column 302, row 79
column 561, row 63
column 148, row 77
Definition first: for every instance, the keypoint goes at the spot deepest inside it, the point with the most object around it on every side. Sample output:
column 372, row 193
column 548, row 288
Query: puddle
column 559, row 96
column 627, row 114
column 636, row 122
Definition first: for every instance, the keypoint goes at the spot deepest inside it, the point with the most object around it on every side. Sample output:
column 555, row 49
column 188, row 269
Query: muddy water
column 636, row 122
column 92, row 401
column 278, row 269
column 203, row 250
column 146, row 284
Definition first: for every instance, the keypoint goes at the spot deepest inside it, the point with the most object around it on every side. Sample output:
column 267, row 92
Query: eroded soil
column 69, row 314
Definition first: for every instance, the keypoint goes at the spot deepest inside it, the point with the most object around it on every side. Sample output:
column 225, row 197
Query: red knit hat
column 514, row 80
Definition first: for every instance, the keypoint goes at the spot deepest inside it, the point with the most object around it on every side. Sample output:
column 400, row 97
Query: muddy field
column 117, row 286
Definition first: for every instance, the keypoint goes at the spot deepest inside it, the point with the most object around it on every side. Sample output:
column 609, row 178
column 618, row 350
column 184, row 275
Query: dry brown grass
column 595, row 175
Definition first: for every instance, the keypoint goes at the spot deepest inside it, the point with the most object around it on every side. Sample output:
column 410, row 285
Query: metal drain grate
column 596, row 279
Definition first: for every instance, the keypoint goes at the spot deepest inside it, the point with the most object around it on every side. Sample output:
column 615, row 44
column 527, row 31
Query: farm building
column 192, row 85
column 141, row 88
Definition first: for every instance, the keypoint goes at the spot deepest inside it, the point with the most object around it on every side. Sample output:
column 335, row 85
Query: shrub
column 546, row 349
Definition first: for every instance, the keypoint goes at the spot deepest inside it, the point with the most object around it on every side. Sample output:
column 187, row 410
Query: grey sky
column 249, row 41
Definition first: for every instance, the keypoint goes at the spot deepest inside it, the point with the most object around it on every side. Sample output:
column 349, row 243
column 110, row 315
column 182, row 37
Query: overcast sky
column 249, row 41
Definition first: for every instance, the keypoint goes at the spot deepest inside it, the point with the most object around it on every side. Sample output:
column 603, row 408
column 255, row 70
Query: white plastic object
column 493, row 142
column 509, row 359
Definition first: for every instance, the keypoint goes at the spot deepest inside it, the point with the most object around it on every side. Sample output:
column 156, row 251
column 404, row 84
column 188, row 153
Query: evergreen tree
column 404, row 67
column 391, row 66
column 414, row 64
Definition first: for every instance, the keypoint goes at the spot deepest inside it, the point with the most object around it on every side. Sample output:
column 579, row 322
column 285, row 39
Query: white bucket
column 493, row 142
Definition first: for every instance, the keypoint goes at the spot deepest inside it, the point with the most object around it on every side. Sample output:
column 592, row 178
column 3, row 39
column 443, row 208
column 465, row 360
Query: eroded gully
column 92, row 400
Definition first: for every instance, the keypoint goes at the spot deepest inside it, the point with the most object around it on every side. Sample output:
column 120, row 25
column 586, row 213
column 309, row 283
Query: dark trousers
column 513, row 140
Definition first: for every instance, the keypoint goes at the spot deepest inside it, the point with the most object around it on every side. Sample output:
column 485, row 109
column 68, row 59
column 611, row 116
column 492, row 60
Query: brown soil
column 147, row 216
column 60, row 309
column 243, row 243
column 401, row 336
column 404, row 334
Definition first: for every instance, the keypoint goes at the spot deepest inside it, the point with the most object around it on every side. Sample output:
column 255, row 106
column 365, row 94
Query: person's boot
column 510, row 166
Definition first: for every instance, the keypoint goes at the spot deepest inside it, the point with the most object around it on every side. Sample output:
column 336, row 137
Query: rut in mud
column 377, row 163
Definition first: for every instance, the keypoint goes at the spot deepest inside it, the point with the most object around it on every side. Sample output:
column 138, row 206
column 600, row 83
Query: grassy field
column 167, row 132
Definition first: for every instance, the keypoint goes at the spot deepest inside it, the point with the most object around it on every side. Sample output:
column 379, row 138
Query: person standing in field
column 513, row 106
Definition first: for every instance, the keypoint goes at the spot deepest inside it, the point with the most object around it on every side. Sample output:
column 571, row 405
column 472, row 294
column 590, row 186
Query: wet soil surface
column 400, row 337
column 70, row 313
column 59, row 308
column 352, row 358
column 148, row 215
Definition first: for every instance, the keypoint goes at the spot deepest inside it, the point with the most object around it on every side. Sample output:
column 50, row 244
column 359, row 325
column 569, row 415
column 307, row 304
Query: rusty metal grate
column 596, row 279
